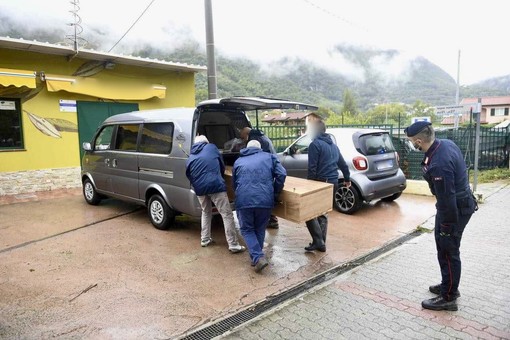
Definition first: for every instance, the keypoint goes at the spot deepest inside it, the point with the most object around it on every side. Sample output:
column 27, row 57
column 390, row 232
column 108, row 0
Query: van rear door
column 254, row 103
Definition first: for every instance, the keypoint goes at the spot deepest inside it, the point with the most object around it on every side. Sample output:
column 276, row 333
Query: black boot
column 439, row 303
column 437, row 290
column 323, row 224
column 316, row 233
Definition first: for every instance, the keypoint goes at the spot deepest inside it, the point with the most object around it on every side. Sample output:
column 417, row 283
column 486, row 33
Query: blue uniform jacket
column 264, row 141
column 205, row 168
column 324, row 160
column 445, row 171
column 258, row 179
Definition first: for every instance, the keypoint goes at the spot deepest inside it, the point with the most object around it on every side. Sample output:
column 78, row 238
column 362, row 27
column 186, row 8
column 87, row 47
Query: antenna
column 74, row 38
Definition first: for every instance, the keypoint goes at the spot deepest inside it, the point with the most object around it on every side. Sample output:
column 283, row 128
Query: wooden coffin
column 301, row 199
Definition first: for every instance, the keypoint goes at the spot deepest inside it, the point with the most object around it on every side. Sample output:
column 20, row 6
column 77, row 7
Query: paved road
column 382, row 299
column 74, row 271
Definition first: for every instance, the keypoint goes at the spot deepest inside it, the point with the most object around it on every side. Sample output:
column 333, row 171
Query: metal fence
column 494, row 145
column 493, row 152
column 282, row 136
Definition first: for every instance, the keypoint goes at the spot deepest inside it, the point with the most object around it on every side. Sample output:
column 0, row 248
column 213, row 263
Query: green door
column 92, row 114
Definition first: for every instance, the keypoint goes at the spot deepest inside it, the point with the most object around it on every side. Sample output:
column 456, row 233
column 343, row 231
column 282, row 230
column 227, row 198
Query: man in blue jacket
column 248, row 134
column 204, row 169
column 445, row 171
column 324, row 160
column 258, row 179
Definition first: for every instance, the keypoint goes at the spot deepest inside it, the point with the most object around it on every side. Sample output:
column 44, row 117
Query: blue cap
column 415, row 128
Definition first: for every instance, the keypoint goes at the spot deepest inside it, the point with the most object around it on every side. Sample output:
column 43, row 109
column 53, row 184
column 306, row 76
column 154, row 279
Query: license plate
column 383, row 165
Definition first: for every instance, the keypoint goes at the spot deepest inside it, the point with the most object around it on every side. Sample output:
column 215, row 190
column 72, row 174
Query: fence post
column 477, row 141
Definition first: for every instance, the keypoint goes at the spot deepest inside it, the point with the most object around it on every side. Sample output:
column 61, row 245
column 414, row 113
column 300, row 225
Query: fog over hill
column 372, row 75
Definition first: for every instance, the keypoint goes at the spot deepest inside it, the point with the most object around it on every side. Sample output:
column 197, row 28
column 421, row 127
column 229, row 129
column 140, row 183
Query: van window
column 157, row 138
column 127, row 135
column 104, row 138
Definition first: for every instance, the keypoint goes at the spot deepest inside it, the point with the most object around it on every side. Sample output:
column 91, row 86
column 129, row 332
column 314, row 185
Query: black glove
column 276, row 201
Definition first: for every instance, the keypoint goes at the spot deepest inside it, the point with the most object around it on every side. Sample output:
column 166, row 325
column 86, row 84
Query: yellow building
column 52, row 99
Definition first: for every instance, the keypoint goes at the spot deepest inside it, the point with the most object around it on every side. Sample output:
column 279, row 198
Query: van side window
column 127, row 135
column 104, row 138
column 157, row 138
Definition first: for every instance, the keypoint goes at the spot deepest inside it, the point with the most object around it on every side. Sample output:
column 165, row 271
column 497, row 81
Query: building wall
column 45, row 157
column 496, row 119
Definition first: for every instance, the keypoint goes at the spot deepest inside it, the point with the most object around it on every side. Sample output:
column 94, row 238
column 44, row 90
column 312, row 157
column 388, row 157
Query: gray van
column 140, row 156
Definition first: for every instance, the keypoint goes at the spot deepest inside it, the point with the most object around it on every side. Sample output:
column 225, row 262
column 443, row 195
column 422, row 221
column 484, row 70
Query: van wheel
column 161, row 215
column 347, row 200
column 392, row 197
column 90, row 193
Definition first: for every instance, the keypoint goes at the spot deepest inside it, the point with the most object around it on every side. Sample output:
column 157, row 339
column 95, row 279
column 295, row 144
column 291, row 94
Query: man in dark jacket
column 204, row 169
column 445, row 171
column 324, row 160
column 248, row 134
column 258, row 179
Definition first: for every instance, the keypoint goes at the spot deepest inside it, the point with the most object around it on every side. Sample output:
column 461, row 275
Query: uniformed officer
column 445, row 171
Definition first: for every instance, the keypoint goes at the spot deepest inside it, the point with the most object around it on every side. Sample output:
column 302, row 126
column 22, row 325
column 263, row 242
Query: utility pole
column 456, row 118
column 477, row 111
column 211, row 60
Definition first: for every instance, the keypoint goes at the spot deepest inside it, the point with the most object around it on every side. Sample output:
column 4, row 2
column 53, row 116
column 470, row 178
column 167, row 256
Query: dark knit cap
column 415, row 128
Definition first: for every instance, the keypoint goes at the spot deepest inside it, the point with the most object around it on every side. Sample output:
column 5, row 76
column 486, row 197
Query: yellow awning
column 17, row 78
column 105, row 89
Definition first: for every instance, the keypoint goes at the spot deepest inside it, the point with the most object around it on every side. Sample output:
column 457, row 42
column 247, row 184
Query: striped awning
column 105, row 89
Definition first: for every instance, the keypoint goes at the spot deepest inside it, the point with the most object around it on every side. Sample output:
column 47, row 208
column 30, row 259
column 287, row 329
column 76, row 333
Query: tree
column 349, row 103
column 392, row 113
column 421, row 109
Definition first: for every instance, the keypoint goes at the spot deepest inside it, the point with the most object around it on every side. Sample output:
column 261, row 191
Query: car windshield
column 375, row 144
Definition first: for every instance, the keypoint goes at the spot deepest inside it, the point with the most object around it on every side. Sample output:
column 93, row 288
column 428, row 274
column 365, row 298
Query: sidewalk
column 382, row 298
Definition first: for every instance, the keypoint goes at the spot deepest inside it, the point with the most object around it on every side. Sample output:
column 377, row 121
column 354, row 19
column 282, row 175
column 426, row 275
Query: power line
column 328, row 12
column 134, row 23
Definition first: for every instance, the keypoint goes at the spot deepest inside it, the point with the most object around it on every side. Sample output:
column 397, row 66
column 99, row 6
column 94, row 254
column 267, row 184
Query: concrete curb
column 415, row 187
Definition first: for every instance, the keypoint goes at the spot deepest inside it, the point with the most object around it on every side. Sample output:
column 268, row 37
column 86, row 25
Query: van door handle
column 107, row 162
column 114, row 163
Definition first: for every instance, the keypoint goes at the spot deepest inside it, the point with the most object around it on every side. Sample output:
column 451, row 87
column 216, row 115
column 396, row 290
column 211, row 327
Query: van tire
column 347, row 200
column 89, row 193
column 392, row 197
column 161, row 215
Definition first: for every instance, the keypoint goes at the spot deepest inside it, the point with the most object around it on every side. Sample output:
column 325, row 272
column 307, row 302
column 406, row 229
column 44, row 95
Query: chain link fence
column 494, row 144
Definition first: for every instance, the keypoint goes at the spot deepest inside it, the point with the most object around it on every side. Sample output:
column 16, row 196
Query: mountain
column 500, row 83
column 372, row 75
column 383, row 76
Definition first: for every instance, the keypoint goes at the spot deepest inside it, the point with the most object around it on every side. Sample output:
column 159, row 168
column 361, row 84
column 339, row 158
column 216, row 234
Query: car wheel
column 392, row 197
column 161, row 215
column 347, row 200
column 90, row 193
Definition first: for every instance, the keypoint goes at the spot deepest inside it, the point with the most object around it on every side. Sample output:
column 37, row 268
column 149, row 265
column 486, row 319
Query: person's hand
column 347, row 184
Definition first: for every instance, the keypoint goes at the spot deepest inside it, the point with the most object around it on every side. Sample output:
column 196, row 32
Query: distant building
column 291, row 118
column 494, row 109
column 53, row 98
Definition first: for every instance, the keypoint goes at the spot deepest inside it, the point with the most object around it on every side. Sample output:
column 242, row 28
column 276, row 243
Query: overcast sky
column 266, row 30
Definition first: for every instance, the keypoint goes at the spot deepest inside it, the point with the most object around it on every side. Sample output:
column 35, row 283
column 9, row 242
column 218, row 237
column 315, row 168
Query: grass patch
column 422, row 229
column 489, row 176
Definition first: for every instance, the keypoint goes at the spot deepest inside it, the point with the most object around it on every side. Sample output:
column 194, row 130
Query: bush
column 489, row 176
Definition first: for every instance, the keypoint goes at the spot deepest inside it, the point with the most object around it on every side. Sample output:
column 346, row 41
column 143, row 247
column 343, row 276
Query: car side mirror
column 86, row 146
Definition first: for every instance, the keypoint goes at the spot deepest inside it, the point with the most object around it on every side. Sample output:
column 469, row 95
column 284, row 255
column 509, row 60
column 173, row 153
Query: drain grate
column 222, row 326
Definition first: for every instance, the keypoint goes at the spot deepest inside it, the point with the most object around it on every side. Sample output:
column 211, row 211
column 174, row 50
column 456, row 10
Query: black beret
column 415, row 128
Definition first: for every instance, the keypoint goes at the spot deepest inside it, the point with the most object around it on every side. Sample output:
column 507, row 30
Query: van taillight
column 398, row 157
column 360, row 163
